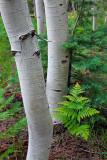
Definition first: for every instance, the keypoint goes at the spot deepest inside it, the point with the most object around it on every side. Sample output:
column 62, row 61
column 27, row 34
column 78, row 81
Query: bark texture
column 24, row 46
column 94, row 17
column 40, row 14
column 34, row 8
column 105, row 19
column 58, row 59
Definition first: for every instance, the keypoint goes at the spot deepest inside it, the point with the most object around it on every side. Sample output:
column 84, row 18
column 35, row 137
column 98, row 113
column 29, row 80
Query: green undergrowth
column 74, row 111
column 12, row 113
column 88, row 51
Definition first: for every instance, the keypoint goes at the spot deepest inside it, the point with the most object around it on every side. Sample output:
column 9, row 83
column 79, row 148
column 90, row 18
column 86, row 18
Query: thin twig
column 92, row 152
column 42, row 38
column 77, row 19
column 75, row 25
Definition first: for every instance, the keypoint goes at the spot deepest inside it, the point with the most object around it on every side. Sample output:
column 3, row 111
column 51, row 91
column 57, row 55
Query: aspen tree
column 58, row 59
column 40, row 14
column 24, row 47
column 94, row 17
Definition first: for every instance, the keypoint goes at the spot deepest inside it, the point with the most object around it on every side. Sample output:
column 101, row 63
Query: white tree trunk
column 34, row 8
column 40, row 14
column 94, row 17
column 73, row 7
column 106, row 19
column 58, row 59
column 20, row 31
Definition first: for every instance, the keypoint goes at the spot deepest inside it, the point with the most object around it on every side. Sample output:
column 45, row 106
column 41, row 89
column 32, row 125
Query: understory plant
column 88, row 67
column 10, row 111
column 74, row 111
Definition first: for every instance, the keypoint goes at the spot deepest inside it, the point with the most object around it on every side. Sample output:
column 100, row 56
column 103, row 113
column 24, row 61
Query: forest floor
column 64, row 146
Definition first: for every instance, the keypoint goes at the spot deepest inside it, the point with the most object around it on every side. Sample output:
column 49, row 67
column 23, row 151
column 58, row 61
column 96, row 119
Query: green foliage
column 9, row 151
column 31, row 6
column 11, row 111
column 88, row 50
column 6, row 60
column 44, row 54
column 74, row 111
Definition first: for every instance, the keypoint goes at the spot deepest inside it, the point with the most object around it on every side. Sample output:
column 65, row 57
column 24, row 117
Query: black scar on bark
column 60, row 4
column 66, row 56
column 32, row 33
column 63, row 61
column 14, row 52
column 57, row 90
column 37, row 53
column 23, row 37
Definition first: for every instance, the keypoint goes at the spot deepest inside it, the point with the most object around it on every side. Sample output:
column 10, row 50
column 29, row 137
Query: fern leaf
column 86, row 112
column 12, row 111
column 9, row 151
column 71, row 98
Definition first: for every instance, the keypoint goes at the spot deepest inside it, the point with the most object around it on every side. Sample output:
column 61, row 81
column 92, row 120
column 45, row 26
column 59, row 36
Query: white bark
column 18, row 23
column 105, row 19
column 40, row 14
column 94, row 17
column 73, row 7
column 58, row 59
column 34, row 8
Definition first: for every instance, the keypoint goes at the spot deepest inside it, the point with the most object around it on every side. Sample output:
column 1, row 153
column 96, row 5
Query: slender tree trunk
column 94, row 17
column 40, row 13
column 34, row 8
column 106, row 19
column 58, row 59
column 24, row 47
column 73, row 7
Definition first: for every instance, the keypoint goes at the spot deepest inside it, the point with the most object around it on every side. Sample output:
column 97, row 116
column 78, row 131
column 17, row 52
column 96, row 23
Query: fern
column 10, row 150
column 10, row 111
column 74, row 111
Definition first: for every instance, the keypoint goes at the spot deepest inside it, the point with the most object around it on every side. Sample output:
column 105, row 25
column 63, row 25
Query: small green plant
column 73, row 111
column 10, row 110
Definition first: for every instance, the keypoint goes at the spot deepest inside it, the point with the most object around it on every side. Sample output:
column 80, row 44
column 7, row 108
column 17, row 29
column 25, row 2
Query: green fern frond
column 8, row 152
column 71, row 98
column 61, row 116
column 81, row 99
column 86, row 112
column 16, row 107
column 76, row 90
column 66, row 110
column 15, row 129
column 72, row 111
column 72, row 105
column 83, row 131
column 2, row 92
